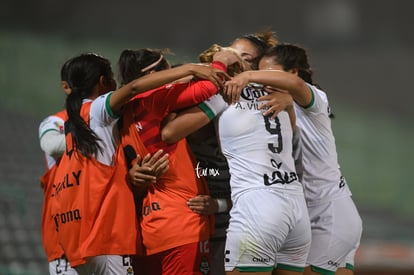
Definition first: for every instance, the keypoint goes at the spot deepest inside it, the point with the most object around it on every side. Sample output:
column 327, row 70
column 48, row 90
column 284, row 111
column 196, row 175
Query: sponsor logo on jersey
column 250, row 93
column 205, row 171
column 148, row 209
column 70, row 180
column 59, row 126
column 66, row 217
column 277, row 176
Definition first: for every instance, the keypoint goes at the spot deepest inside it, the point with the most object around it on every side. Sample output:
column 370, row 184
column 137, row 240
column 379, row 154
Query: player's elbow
column 167, row 136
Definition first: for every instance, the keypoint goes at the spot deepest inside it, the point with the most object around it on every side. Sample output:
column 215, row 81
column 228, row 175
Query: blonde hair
column 207, row 57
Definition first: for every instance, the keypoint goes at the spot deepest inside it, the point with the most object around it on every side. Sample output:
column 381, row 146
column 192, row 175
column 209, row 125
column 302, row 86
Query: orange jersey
column 49, row 235
column 166, row 220
column 94, row 205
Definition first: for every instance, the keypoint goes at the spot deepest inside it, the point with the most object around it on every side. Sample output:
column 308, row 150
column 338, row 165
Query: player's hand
column 208, row 72
column 228, row 57
column 233, row 87
column 203, row 205
column 275, row 102
column 159, row 165
column 148, row 169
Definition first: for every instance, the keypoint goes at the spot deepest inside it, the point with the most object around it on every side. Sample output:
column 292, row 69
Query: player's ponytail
column 84, row 73
column 83, row 138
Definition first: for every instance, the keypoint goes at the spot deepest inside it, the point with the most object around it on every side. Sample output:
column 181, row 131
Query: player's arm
column 52, row 137
column 192, row 93
column 192, row 119
column 53, row 144
column 122, row 95
column 282, row 80
column 206, row 205
column 185, row 123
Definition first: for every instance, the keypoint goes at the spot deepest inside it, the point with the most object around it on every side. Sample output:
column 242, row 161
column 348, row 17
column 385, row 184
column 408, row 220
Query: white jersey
column 321, row 175
column 258, row 149
column 103, row 122
column 49, row 124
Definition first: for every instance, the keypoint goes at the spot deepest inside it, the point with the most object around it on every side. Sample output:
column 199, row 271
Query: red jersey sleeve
column 184, row 95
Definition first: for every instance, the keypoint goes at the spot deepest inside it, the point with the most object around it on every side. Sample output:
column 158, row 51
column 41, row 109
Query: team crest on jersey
column 250, row 94
column 59, row 126
column 130, row 271
column 204, row 265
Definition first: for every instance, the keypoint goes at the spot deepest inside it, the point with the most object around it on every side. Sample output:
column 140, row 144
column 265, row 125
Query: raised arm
column 156, row 79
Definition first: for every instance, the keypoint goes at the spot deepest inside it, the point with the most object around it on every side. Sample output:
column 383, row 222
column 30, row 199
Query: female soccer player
column 252, row 46
column 93, row 202
column 336, row 223
column 176, row 239
column 268, row 220
column 52, row 143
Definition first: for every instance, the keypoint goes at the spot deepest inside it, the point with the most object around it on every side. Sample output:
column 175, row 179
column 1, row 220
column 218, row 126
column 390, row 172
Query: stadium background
column 362, row 54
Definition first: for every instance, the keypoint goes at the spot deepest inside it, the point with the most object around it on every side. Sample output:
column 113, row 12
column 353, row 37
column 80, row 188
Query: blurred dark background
column 362, row 54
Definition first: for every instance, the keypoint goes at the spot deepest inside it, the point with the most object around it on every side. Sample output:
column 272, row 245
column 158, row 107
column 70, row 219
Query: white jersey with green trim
column 258, row 149
column 103, row 122
column 320, row 175
column 55, row 124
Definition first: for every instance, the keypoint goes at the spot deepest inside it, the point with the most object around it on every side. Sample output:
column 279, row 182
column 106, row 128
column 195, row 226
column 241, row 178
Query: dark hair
column 291, row 56
column 64, row 71
column 262, row 41
column 133, row 64
column 84, row 72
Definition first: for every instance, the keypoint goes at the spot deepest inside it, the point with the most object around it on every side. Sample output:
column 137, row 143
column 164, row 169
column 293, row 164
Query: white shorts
column 267, row 226
column 106, row 265
column 336, row 233
column 61, row 266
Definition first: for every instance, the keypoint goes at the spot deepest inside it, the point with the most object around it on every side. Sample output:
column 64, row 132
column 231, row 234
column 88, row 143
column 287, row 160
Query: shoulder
column 51, row 123
column 319, row 98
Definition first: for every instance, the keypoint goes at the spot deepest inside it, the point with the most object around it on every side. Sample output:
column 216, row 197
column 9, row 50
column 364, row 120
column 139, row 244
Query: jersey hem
column 349, row 266
column 254, row 268
column 312, row 99
column 108, row 106
column 290, row 267
column 172, row 246
column 322, row 271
